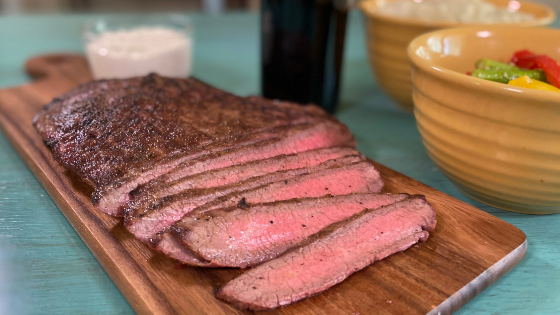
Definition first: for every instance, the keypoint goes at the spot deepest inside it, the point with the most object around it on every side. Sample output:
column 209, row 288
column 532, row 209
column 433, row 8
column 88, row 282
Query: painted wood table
column 45, row 268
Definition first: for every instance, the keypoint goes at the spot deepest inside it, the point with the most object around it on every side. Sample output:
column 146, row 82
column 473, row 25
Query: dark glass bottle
column 302, row 46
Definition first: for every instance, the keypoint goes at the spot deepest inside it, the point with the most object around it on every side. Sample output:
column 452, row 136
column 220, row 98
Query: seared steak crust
column 110, row 131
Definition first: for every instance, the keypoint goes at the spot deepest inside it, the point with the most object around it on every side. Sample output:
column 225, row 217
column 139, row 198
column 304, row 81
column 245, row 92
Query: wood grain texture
column 469, row 248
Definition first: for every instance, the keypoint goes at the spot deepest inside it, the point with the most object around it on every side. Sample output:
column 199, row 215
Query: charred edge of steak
column 243, row 204
column 153, row 78
column 152, row 206
column 49, row 143
column 136, row 191
column 154, row 241
column 156, row 203
column 95, row 197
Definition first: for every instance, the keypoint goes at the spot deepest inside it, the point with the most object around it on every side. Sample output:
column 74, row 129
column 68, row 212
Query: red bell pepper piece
column 529, row 60
column 524, row 59
column 522, row 54
column 551, row 69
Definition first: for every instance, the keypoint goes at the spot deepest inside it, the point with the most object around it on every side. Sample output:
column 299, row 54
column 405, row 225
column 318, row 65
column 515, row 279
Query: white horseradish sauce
column 139, row 51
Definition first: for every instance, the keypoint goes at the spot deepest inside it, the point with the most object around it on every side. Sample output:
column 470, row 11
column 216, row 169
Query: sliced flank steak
column 117, row 134
column 236, row 173
column 330, row 256
column 345, row 175
column 281, row 140
column 359, row 177
column 246, row 236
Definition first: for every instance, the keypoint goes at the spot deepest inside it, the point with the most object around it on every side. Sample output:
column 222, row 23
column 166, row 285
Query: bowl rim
column 466, row 80
column 545, row 20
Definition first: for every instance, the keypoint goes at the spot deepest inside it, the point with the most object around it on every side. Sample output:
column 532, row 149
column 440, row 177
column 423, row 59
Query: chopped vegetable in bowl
column 529, row 83
column 526, row 69
column 529, row 60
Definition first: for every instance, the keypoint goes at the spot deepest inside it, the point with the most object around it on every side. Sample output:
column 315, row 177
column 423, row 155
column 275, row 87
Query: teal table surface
column 45, row 268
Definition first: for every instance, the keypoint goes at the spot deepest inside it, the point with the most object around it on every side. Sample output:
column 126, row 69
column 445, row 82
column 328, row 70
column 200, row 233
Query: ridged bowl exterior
column 388, row 38
column 386, row 44
column 497, row 143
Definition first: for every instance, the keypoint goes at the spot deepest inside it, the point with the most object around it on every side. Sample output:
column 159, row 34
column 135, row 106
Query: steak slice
column 244, row 237
column 145, row 221
column 282, row 140
column 357, row 178
column 109, row 199
column 299, row 138
column 332, row 182
column 237, row 173
column 110, row 132
column 332, row 255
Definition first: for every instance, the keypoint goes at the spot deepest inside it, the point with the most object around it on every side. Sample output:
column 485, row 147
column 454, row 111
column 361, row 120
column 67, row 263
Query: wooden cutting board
column 469, row 250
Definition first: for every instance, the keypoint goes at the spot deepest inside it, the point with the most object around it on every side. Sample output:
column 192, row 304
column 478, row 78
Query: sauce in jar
column 139, row 51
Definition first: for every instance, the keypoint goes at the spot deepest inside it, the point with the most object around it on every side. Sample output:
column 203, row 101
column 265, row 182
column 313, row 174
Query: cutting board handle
column 56, row 65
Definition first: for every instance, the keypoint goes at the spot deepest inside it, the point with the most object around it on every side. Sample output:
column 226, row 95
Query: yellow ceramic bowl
column 389, row 36
column 498, row 144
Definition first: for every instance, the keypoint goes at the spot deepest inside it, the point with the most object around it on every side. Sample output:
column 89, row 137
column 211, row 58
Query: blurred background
column 104, row 6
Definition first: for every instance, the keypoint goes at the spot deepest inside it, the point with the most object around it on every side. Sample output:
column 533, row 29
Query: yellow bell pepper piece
column 529, row 83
